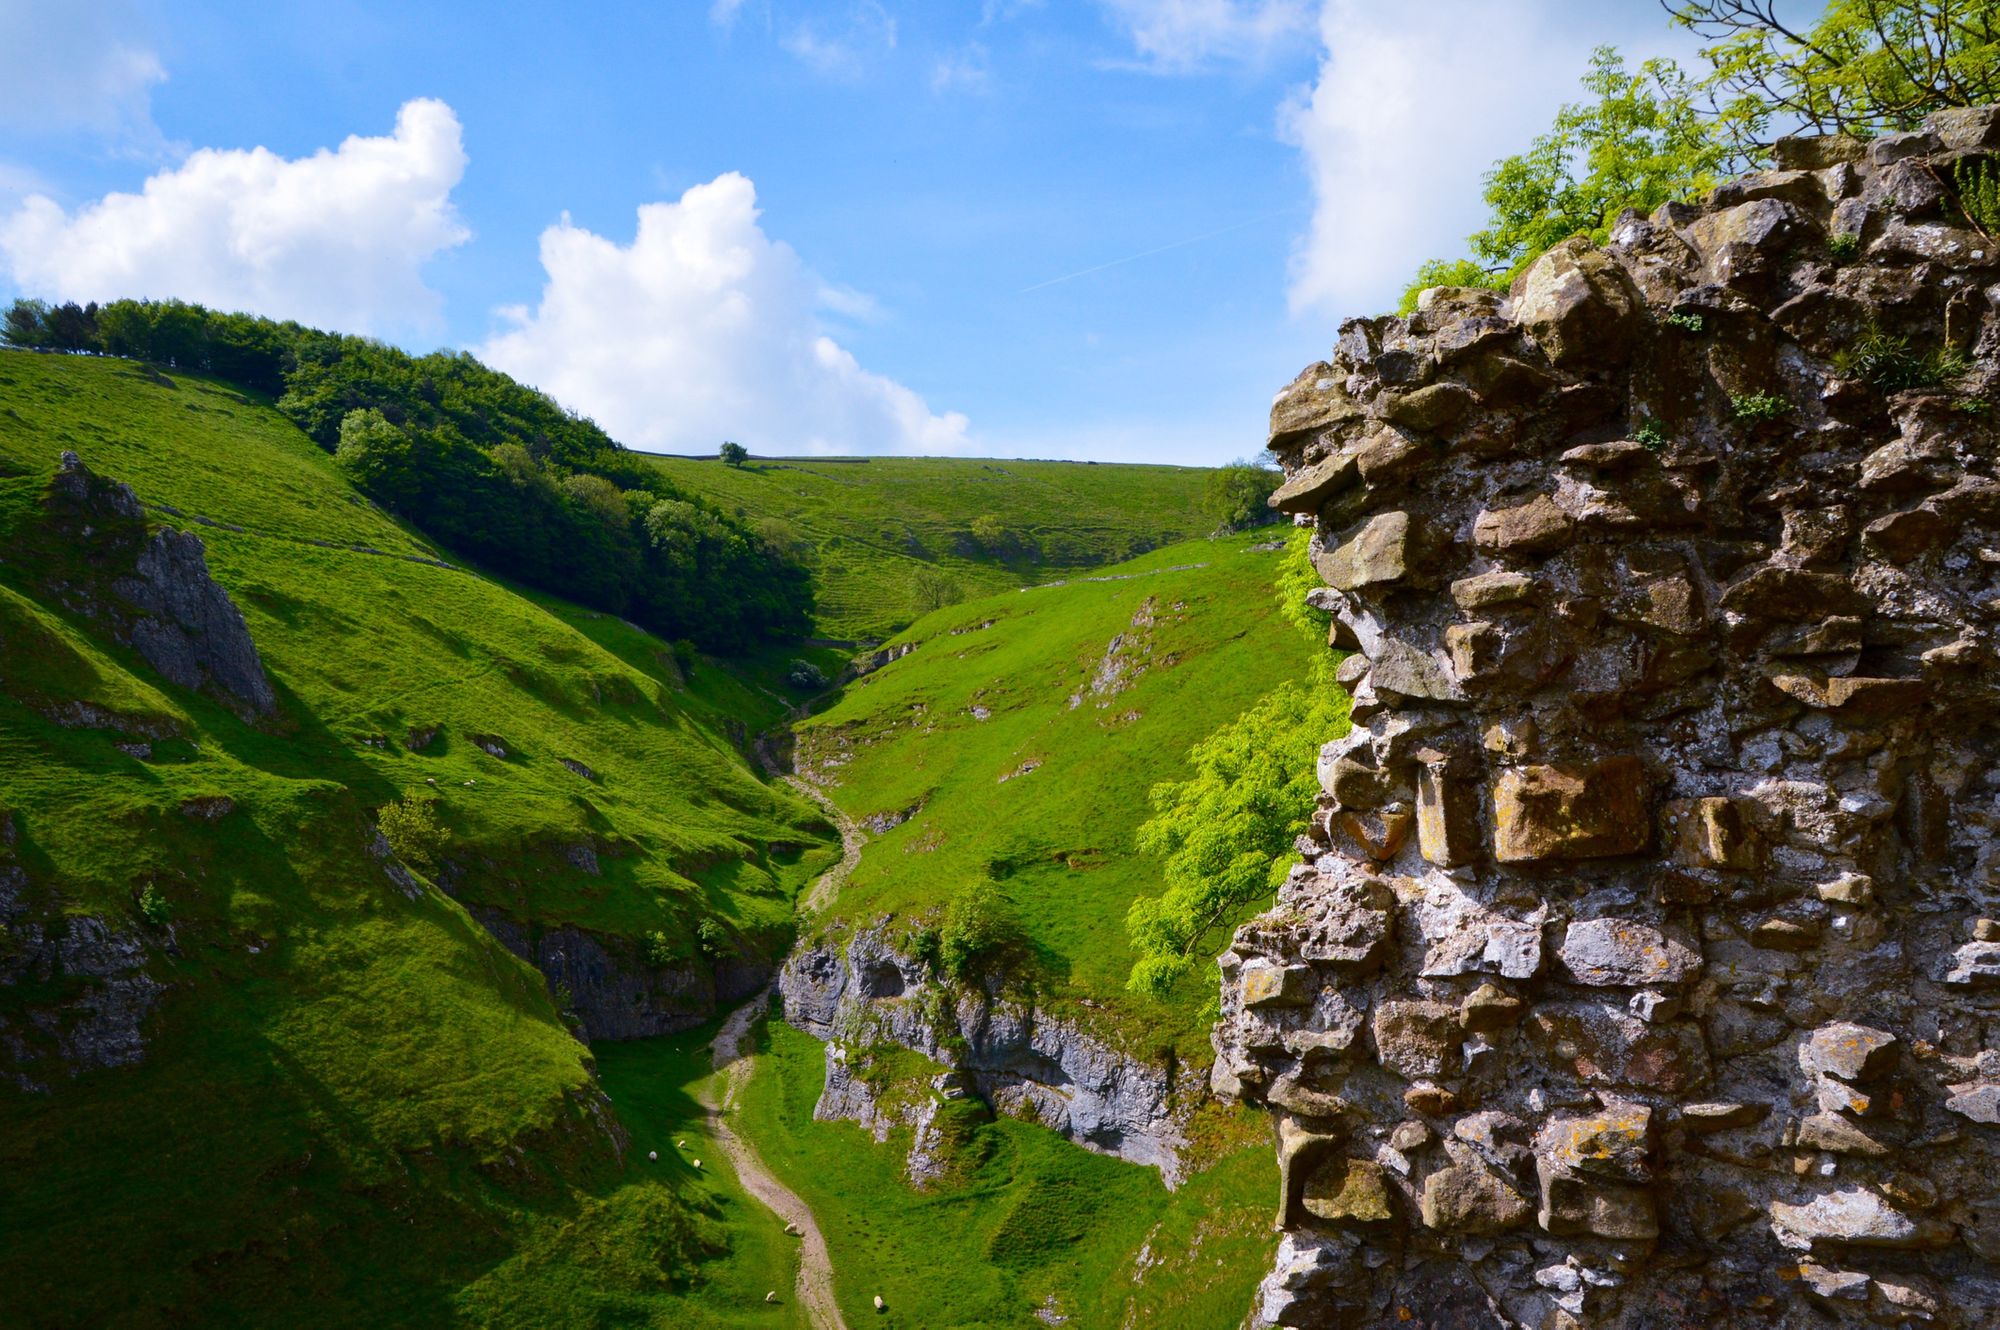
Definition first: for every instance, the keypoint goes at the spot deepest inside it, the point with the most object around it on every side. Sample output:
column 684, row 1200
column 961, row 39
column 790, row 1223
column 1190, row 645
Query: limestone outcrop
column 1023, row 1061
column 1642, row 967
column 155, row 592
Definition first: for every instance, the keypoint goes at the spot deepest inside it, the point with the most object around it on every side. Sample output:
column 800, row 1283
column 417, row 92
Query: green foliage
column 1758, row 408
column 493, row 469
column 1447, row 272
column 806, row 676
column 1977, row 185
column 1640, row 142
column 1863, row 67
column 1234, row 495
column 980, row 931
column 1844, row 246
column 1890, row 364
column 713, row 939
column 1224, row 835
column 414, row 834
column 1687, row 320
column 1021, row 1222
column 932, row 588
column 872, row 523
column 1650, row 435
column 660, row 950
column 733, row 454
column 1972, row 406
column 154, row 907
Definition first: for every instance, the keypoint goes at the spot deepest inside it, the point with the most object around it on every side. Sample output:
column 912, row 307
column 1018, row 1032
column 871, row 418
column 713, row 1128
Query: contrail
column 1149, row 253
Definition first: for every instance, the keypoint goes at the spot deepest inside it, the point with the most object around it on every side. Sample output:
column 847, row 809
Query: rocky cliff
column 1022, row 1061
column 1643, row 965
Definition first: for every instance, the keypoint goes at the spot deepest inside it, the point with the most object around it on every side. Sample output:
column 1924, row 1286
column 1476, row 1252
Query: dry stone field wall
column 1643, row 965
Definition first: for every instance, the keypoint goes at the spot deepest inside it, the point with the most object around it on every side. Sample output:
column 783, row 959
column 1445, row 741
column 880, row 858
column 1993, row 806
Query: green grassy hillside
column 874, row 522
column 1021, row 735
column 353, row 1106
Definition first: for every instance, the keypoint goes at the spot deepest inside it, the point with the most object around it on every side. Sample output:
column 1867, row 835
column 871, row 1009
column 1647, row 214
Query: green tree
column 733, row 454
column 1234, row 496
column 979, row 930
column 1224, row 834
column 1863, row 67
column 413, row 832
column 932, row 588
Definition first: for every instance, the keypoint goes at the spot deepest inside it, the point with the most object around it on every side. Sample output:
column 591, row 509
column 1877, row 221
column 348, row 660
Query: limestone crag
column 1642, row 968
column 612, row 991
column 1019, row 1059
column 155, row 591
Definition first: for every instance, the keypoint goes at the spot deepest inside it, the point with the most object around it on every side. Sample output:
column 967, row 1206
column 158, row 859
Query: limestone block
column 1377, row 553
column 1415, row 1038
column 1598, row 1043
column 1577, row 1206
column 1308, row 489
column 1312, row 402
column 1534, row 527
column 1577, row 304
column 1465, row 1198
column 1854, row 1217
column 1711, row 833
column 1492, row 590
column 1348, row 1191
column 1552, row 813
column 1269, row 984
column 1432, row 407
column 1852, row 1053
column 1448, row 817
column 1629, row 953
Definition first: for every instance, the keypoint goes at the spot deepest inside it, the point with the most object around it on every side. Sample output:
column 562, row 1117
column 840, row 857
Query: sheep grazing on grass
column 653, row 1155
column 880, row 1305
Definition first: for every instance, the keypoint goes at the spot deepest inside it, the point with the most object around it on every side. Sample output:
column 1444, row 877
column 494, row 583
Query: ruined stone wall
column 1642, row 968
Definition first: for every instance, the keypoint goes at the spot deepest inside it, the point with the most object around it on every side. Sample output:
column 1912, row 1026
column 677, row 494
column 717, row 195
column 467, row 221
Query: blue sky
column 1093, row 228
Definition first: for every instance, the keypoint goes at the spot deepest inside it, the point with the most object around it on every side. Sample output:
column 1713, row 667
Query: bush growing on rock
column 979, row 928
column 153, row 906
column 411, row 828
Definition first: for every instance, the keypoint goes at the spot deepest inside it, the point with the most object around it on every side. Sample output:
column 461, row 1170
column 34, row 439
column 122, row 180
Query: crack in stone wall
column 1643, row 968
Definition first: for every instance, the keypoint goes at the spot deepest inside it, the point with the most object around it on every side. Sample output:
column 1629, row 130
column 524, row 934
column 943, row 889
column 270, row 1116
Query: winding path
column 815, row 1287
column 852, row 838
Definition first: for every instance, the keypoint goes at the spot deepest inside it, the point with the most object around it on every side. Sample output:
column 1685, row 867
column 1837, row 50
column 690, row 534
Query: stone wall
column 1642, row 969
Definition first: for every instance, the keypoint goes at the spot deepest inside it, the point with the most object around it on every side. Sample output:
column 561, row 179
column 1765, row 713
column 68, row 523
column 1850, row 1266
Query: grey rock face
column 1681, row 1006
column 612, row 990
column 163, row 603
column 1023, row 1061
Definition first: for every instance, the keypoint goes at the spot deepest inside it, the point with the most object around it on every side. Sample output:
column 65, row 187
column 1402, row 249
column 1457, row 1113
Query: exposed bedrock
column 1018, row 1058
column 1643, row 969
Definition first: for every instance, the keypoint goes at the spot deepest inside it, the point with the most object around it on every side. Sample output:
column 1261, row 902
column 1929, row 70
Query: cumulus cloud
column 337, row 239
column 704, row 329
column 1411, row 107
column 71, row 67
column 1175, row 36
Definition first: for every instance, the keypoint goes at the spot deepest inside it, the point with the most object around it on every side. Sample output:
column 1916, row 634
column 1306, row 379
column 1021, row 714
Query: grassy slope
column 875, row 522
column 1058, row 838
column 1032, row 1223
column 353, row 1104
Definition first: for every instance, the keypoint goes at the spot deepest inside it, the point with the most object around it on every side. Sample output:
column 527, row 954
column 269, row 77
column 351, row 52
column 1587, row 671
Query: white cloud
column 1412, row 106
column 704, row 329
column 843, row 50
column 74, row 66
column 337, row 239
column 1175, row 36
column 962, row 71
column 723, row 12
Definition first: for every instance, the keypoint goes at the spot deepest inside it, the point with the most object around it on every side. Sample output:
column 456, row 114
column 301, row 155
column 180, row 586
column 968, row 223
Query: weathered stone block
column 1491, row 590
column 1270, row 984
column 1377, row 553
column 1432, row 407
column 1711, row 833
column 1416, row 1039
column 1849, row 1052
column 1553, row 813
column 1448, row 822
column 1580, row 1206
column 1577, row 304
column 1312, row 402
column 1535, row 527
column 1308, row 489
column 1601, row 1044
column 1854, row 1217
column 1629, row 953
column 1466, row 1198
column 1348, row 1191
